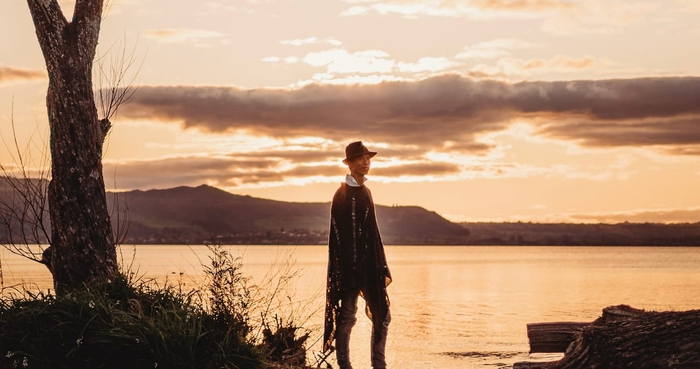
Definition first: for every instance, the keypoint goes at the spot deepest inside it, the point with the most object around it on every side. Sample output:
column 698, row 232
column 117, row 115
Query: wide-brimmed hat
column 356, row 149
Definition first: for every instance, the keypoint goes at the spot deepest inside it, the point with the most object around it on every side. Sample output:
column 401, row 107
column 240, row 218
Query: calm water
column 453, row 307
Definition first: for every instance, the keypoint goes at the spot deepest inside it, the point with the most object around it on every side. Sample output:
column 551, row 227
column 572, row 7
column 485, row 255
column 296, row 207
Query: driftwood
column 552, row 337
column 624, row 337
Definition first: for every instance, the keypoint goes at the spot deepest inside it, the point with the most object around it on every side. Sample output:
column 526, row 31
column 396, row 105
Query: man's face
column 359, row 166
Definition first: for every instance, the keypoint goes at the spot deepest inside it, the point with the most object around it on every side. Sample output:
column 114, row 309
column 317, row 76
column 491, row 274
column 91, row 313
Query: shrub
column 132, row 323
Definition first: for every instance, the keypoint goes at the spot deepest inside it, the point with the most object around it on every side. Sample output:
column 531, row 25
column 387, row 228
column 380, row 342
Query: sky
column 579, row 111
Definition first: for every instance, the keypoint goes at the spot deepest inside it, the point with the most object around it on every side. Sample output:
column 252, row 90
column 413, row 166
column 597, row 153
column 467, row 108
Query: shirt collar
column 350, row 181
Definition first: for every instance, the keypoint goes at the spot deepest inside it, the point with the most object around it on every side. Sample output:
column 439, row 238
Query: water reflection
column 454, row 307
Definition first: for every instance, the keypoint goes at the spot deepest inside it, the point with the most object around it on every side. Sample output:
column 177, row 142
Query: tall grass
column 130, row 322
column 269, row 310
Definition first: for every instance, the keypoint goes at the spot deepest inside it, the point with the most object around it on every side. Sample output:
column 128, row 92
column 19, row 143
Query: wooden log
column 552, row 336
column 531, row 365
column 630, row 338
column 618, row 313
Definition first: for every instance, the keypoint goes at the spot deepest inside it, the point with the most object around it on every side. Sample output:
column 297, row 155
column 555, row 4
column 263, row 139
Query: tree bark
column 82, row 244
column 552, row 337
column 630, row 338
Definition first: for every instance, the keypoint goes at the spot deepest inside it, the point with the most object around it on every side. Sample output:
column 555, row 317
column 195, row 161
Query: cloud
column 311, row 41
column 427, row 64
column 634, row 112
column 675, row 133
column 515, row 69
column 557, row 16
column 252, row 169
column 435, row 113
column 602, row 16
column 475, row 9
column 354, row 10
column 559, row 62
column 276, row 59
column 494, row 49
column 8, row 74
column 364, row 66
column 182, row 35
column 179, row 171
column 240, row 7
column 430, row 112
column 495, row 58
column 690, row 215
column 344, row 67
column 520, row 5
column 417, row 169
column 342, row 61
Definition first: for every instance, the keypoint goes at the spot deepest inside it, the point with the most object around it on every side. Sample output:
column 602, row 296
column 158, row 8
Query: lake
column 452, row 306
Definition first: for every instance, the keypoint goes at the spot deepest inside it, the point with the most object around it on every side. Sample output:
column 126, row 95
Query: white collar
column 350, row 181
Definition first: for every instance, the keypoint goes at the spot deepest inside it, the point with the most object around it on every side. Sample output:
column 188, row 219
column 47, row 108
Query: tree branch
column 49, row 22
column 87, row 18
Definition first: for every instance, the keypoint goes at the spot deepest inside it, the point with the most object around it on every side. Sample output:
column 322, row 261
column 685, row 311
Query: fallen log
column 552, row 337
column 530, row 365
column 624, row 337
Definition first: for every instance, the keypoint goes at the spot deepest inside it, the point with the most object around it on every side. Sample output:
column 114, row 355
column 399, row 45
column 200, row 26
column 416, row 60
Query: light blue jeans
column 346, row 320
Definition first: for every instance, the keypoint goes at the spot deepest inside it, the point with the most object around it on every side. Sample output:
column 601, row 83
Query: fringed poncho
column 356, row 259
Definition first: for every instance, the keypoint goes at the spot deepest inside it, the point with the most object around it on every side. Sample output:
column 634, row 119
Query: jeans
column 346, row 320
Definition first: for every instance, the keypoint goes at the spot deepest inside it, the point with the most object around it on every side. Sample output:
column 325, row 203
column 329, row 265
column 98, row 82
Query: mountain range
column 205, row 214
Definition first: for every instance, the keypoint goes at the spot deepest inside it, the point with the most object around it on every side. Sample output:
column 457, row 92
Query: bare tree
column 24, row 199
column 82, row 246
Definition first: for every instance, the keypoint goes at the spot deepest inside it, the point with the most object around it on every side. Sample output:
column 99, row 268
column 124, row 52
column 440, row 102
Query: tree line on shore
column 207, row 215
column 204, row 214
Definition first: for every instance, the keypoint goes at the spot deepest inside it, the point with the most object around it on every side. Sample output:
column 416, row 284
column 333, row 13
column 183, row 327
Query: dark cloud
column 432, row 111
column 673, row 133
column 184, row 171
column 419, row 169
column 683, row 150
column 241, row 169
column 611, row 99
column 443, row 113
column 20, row 74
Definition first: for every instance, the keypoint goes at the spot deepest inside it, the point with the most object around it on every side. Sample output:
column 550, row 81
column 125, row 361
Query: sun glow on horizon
column 486, row 110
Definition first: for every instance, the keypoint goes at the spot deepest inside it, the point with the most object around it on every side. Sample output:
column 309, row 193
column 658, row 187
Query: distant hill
column 566, row 234
column 205, row 214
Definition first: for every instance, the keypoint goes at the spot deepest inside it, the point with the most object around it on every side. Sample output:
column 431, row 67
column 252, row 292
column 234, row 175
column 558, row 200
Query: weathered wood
column 624, row 337
column 552, row 337
column 531, row 365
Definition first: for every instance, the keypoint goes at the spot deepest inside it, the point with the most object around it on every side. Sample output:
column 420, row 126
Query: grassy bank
column 129, row 322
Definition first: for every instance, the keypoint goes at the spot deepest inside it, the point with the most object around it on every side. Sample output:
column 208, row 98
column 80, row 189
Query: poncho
column 356, row 259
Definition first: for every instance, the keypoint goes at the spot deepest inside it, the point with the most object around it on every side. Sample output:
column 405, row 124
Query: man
column 356, row 263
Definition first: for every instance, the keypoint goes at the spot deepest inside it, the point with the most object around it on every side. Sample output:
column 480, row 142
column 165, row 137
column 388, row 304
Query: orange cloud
column 181, row 35
column 560, row 62
column 20, row 74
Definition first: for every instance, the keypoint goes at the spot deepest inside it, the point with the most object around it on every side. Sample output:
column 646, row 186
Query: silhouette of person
column 356, row 263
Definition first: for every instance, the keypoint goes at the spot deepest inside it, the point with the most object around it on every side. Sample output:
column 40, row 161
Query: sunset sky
column 481, row 110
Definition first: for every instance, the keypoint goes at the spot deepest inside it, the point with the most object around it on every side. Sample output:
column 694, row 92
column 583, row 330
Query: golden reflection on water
column 452, row 307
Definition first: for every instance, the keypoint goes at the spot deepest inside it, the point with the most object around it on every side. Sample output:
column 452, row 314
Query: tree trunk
column 82, row 244
column 630, row 338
